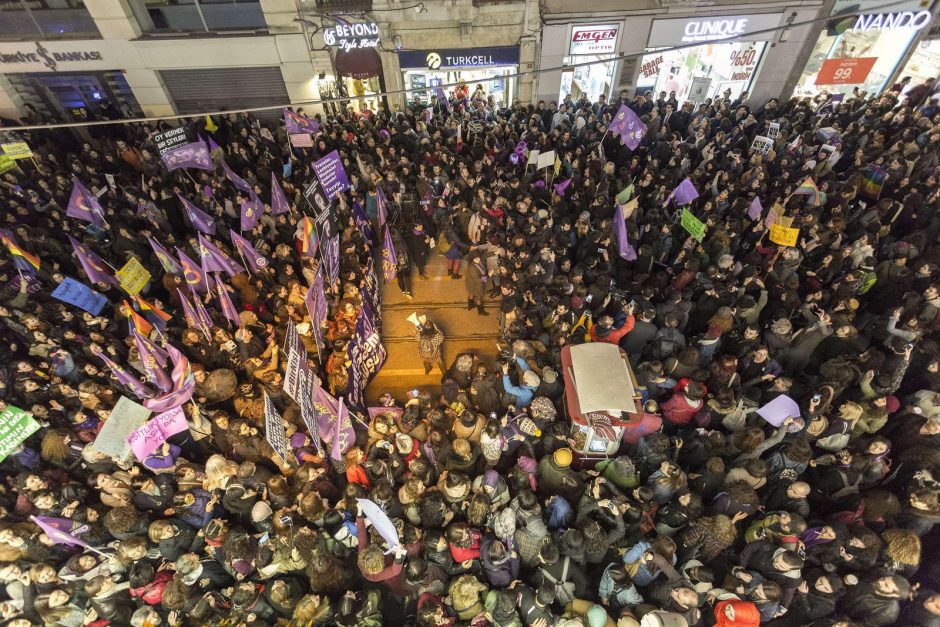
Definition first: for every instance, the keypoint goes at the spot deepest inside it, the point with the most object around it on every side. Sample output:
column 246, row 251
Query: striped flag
column 308, row 237
column 23, row 260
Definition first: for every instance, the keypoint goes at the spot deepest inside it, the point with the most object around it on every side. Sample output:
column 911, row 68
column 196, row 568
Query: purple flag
column 251, row 211
column 195, row 278
column 151, row 364
column 620, row 230
column 520, row 149
column 125, row 378
column 279, row 202
column 296, row 123
column 442, row 98
column 561, row 187
column 228, row 307
column 389, row 257
column 184, row 384
column 198, row 219
column 629, row 126
column 755, row 210
column 60, row 531
column 189, row 314
column 212, row 145
column 84, row 205
column 366, row 352
column 255, row 260
column 192, row 155
column 95, row 267
column 236, row 180
column 380, row 206
column 683, row 194
column 214, row 260
column 169, row 264
column 337, row 439
column 365, row 225
column 202, row 314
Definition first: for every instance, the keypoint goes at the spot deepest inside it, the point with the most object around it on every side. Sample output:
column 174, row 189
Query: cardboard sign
column 774, row 130
column 533, row 158
column 133, row 277
column 169, row 140
column 15, row 426
column 151, row 436
column 783, row 235
column 74, row 293
column 6, row 163
column 779, row 409
column 546, row 160
column 126, row 417
column 694, row 226
column 319, row 202
column 762, row 144
column 17, row 150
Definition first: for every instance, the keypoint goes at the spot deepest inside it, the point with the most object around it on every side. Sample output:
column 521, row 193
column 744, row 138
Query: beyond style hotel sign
column 351, row 36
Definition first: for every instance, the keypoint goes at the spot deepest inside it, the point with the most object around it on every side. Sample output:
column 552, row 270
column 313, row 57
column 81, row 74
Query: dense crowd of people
column 707, row 515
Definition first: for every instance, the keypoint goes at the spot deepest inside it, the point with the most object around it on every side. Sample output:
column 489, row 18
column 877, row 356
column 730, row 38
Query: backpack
column 564, row 590
column 663, row 347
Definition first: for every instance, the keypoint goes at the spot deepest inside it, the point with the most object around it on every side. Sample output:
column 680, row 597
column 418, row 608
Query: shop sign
column 448, row 58
column 850, row 71
column 651, row 68
column 351, row 36
column 741, row 27
column 594, row 39
column 888, row 21
column 49, row 59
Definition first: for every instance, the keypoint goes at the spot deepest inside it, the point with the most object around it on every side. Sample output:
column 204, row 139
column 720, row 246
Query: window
column 45, row 19
column 181, row 16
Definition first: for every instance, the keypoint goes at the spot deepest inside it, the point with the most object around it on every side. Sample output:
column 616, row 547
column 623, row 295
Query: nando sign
column 673, row 32
column 888, row 21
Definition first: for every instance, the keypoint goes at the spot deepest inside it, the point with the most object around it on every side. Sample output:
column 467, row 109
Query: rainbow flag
column 873, row 181
column 152, row 313
column 24, row 261
column 308, row 237
column 136, row 321
column 809, row 188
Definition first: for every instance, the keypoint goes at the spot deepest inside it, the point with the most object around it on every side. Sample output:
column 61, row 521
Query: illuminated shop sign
column 705, row 30
column 887, row 21
column 350, row 36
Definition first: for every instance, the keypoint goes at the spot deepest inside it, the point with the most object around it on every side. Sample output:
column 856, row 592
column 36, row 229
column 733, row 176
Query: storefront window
column 702, row 71
column 424, row 70
column 859, row 49
column 45, row 19
column 161, row 16
column 589, row 81
column 924, row 63
column 496, row 83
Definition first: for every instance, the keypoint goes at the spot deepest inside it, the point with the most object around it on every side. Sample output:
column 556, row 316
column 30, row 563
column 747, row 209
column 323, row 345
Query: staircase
column 444, row 301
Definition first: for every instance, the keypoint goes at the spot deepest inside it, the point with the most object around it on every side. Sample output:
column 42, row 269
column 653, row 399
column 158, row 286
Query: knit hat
column 562, row 457
column 662, row 618
column 530, row 379
column 714, row 332
column 597, row 616
column 549, row 376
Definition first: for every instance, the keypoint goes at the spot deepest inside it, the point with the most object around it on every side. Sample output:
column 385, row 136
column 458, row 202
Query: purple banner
column 331, row 174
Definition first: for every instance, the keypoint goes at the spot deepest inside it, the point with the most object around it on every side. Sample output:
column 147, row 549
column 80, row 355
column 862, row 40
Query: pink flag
column 184, row 384
column 60, row 531
column 755, row 210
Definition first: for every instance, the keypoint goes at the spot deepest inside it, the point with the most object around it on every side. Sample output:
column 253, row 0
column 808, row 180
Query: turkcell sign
column 887, row 21
column 443, row 58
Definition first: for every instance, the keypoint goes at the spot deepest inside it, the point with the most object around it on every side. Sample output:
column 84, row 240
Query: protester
column 660, row 229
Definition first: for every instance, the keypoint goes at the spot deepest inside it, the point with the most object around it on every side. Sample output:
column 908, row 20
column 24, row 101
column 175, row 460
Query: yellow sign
column 18, row 150
column 6, row 164
column 133, row 277
column 783, row 235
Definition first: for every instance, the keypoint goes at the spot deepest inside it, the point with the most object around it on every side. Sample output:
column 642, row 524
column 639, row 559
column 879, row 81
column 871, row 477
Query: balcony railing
column 343, row 5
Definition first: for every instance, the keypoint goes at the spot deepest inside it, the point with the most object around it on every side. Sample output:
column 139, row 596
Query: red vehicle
column 600, row 398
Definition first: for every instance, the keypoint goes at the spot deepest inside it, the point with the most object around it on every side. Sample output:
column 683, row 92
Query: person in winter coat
column 875, row 603
column 524, row 393
column 500, row 565
column 682, row 406
column 477, row 280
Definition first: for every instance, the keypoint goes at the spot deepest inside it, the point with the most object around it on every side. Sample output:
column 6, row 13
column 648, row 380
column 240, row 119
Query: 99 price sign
column 845, row 71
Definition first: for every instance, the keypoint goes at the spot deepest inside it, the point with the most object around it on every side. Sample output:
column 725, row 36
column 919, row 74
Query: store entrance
column 70, row 97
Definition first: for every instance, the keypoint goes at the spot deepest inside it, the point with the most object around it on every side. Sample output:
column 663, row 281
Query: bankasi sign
column 594, row 39
column 49, row 59
column 351, row 36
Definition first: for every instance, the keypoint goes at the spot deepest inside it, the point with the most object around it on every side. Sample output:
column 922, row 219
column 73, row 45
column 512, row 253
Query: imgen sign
column 594, row 39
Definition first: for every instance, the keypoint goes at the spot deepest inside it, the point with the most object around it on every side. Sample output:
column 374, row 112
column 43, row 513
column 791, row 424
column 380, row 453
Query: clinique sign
column 707, row 30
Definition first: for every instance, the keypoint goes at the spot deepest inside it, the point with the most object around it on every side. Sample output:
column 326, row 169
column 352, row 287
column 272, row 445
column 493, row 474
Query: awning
column 359, row 63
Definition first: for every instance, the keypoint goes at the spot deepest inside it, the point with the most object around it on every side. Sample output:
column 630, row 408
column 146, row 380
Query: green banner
column 6, row 164
column 15, row 426
column 693, row 225
column 625, row 194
